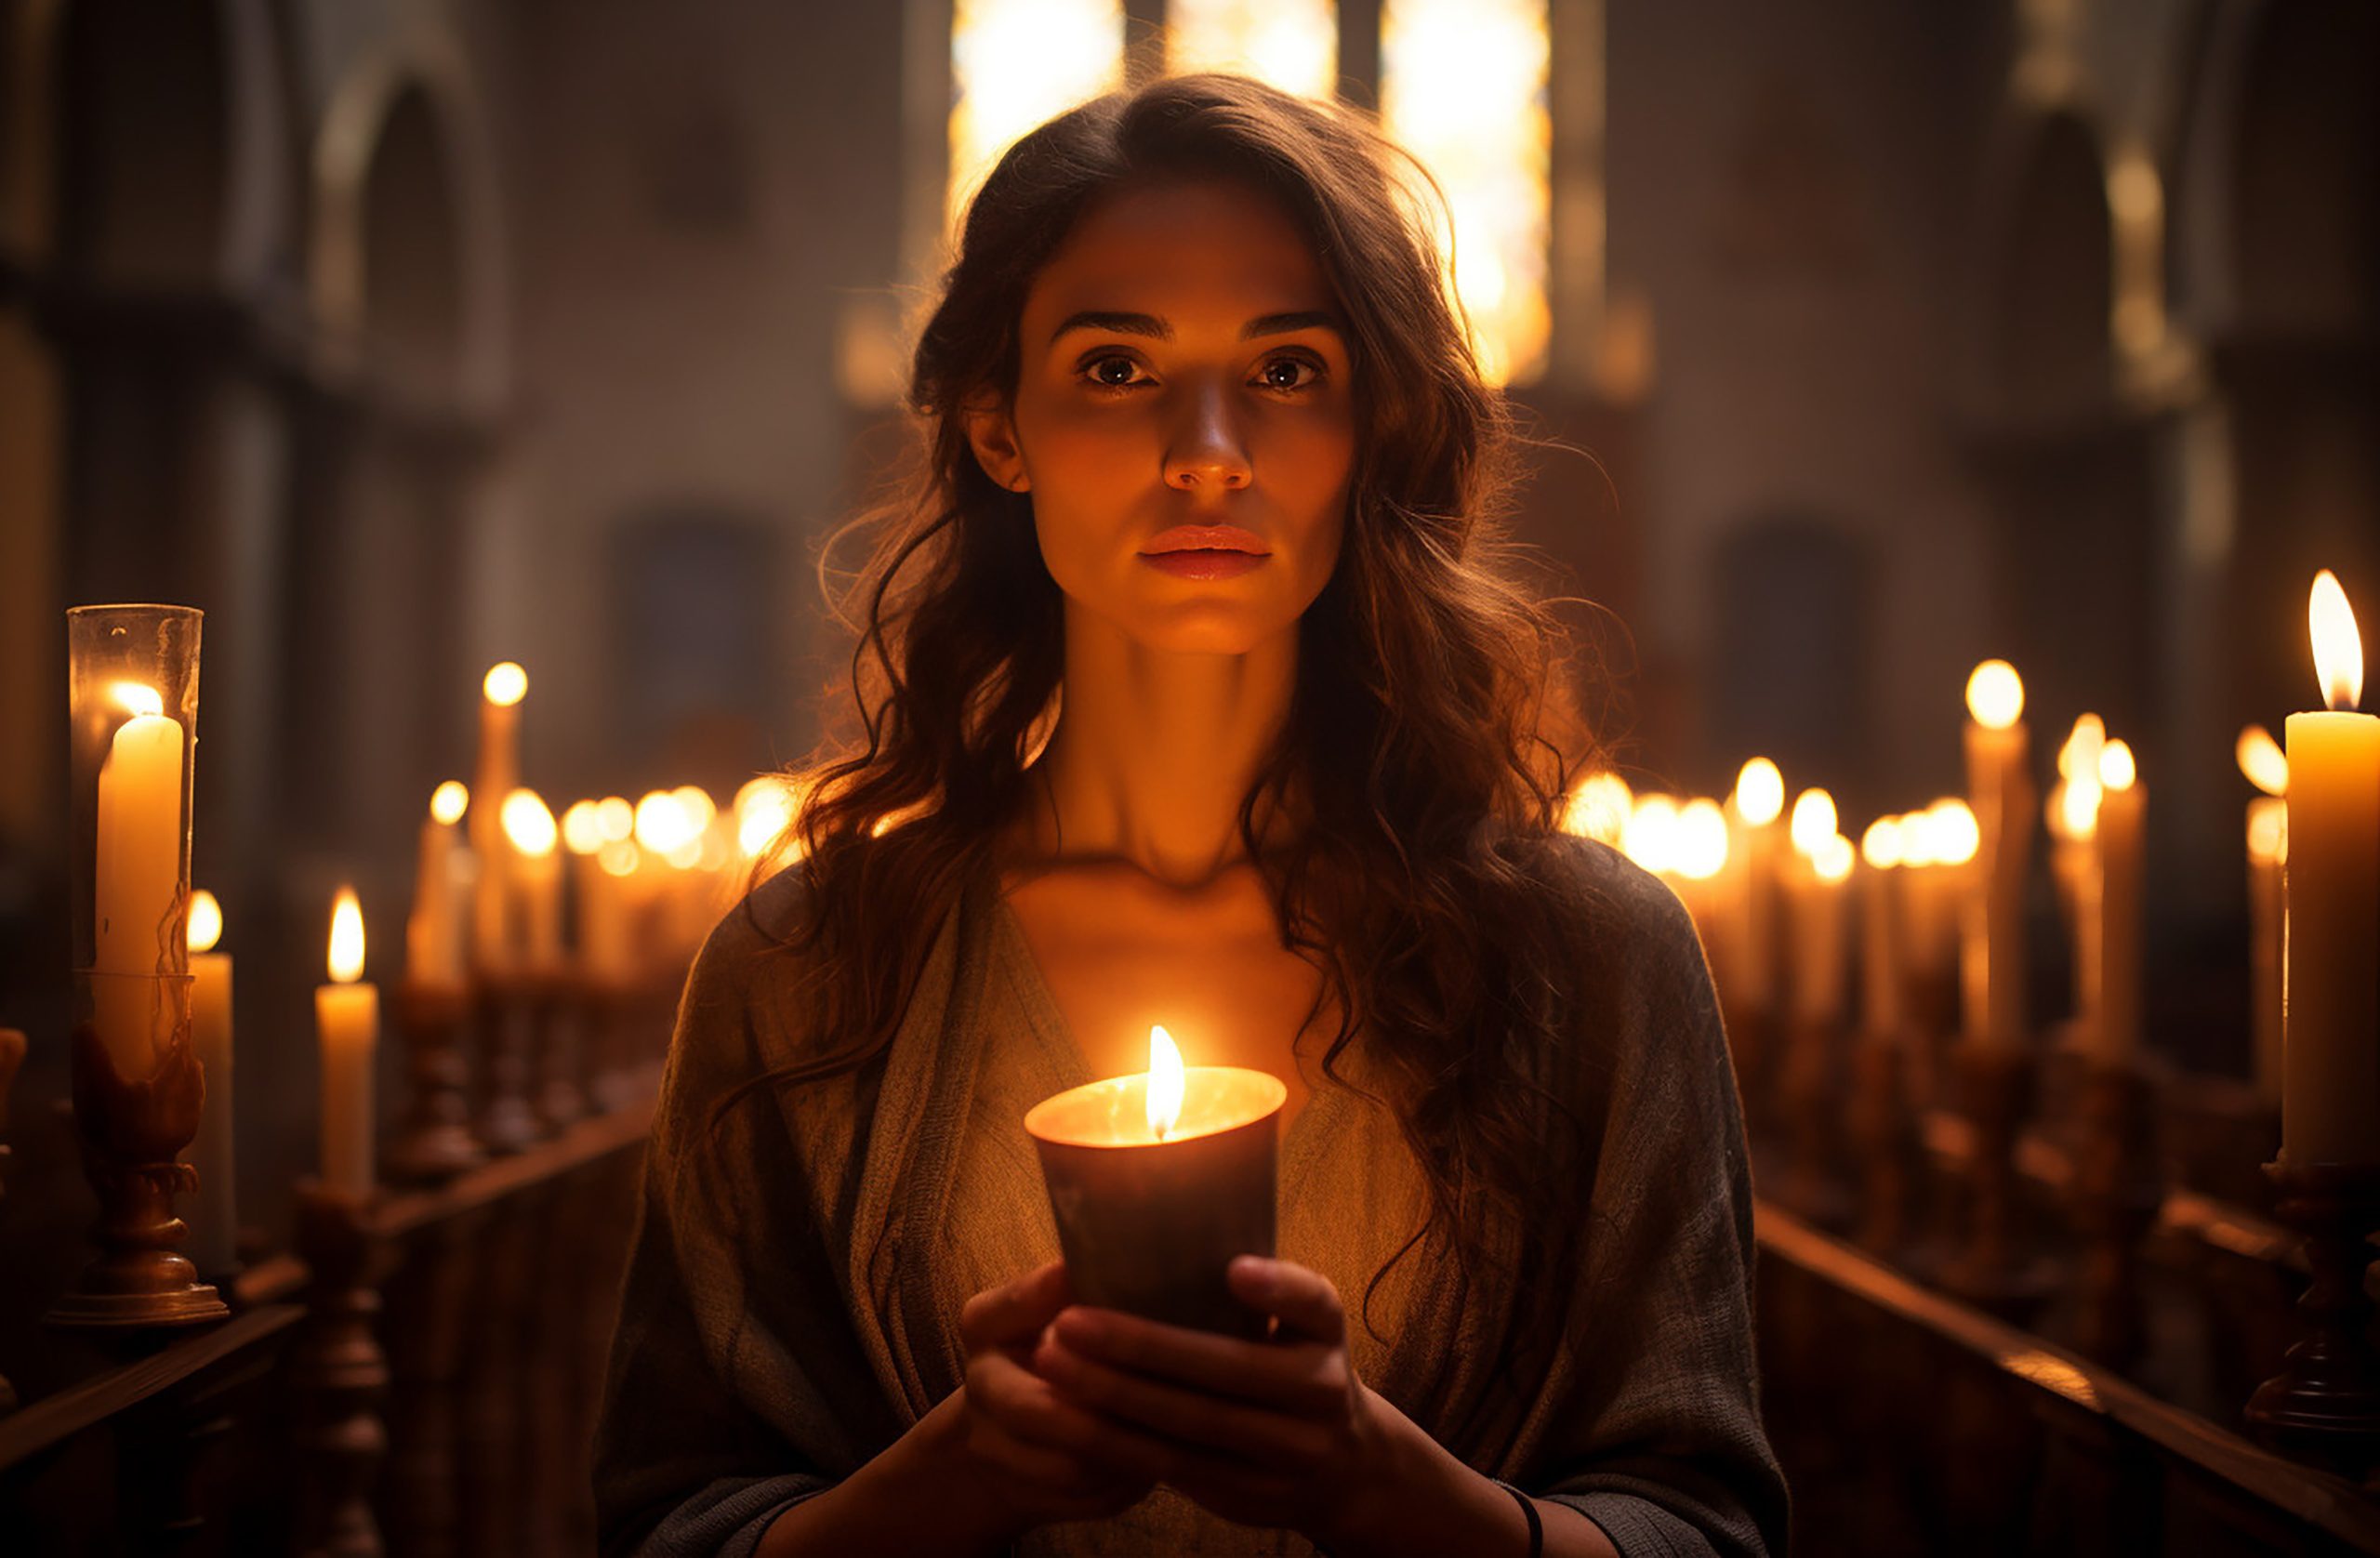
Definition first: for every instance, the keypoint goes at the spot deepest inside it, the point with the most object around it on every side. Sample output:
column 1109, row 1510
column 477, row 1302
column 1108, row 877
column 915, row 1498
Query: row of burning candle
column 1943, row 890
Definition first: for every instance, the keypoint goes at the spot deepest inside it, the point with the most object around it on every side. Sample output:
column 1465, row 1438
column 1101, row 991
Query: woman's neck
column 1153, row 751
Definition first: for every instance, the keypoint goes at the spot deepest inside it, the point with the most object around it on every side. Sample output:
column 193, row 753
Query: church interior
column 1954, row 451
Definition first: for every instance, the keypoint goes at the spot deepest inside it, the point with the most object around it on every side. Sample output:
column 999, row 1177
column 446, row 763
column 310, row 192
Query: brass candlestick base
column 132, row 1134
column 1813, row 1109
column 435, row 1143
column 1993, row 1270
column 2117, row 1192
column 1884, row 1134
column 2324, row 1407
column 340, row 1371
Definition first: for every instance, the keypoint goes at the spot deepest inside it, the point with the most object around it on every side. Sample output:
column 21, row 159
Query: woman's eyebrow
column 1158, row 330
column 1283, row 324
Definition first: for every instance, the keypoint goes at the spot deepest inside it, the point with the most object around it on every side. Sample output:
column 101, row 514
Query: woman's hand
column 1275, row 1432
column 1042, row 1458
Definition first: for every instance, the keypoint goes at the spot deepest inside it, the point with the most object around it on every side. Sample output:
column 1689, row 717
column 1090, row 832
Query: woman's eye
column 1113, row 373
column 1288, row 373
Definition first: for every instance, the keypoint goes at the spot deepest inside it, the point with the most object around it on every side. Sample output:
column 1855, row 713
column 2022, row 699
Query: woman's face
column 1183, row 418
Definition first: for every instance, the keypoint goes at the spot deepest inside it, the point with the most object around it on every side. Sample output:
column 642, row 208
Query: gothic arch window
column 1014, row 64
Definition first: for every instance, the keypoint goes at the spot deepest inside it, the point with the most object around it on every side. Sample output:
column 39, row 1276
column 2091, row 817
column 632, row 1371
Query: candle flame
column 448, row 801
column 1760, row 792
column 1955, row 832
column 1995, row 694
column 1814, row 821
column 1651, row 838
column 697, row 803
column 505, row 684
column 662, row 825
column 1166, row 1083
column 2080, row 753
column 1881, row 845
column 206, row 921
column 1832, row 858
column 2338, row 649
column 135, row 698
column 582, row 829
column 347, row 938
column 528, row 824
column 616, row 818
column 1700, row 850
column 2078, row 801
column 2117, row 768
column 2262, row 760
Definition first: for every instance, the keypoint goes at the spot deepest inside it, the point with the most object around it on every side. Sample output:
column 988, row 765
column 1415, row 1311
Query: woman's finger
column 1253, row 1434
column 1309, row 1380
column 1010, row 1315
column 1300, row 1297
column 1026, row 1406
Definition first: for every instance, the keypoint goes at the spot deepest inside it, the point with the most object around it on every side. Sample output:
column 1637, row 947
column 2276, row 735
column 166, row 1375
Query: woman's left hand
column 1274, row 1433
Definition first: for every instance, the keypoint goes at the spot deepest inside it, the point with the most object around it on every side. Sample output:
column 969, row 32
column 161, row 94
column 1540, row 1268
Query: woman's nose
column 1207, row 450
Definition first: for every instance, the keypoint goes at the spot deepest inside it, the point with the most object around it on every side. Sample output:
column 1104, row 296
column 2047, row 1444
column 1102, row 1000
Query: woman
column 1211, row 478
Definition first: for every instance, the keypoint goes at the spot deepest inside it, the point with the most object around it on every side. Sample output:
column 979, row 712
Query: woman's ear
column 992, row 433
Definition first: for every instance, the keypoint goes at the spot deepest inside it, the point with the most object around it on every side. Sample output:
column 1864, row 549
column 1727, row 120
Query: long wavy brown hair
column 1428, row 759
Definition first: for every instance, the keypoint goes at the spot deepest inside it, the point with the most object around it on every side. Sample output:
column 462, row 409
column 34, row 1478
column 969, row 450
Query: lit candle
column 1697, row 856
column 1758, row 803
column 2072, row 819
column 214, row 1217
column 537, row 878
column 497, row 774
column 1598, row 807
column 1879, row 931
column 137, row 885
column 2077, row 861
column 601, row 940
column 347, row 1023
column 2000, row 788
column 2262, row 760
column 2331, row 1057
column 1158, row 1180
column 1815, row 888
column 434, row 933
column 2114, row 1030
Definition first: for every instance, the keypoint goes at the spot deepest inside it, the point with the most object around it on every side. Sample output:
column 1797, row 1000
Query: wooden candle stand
column 1993, row 1270
column 435, row 1143
column 2117, row 1192
column 508, row 1014
column 1813, row 1109
column 2323, row 1407
column 1884, row 1135
column 610, row 1059
column 565, row 1006
column 131, row 1135
column 342, row 1371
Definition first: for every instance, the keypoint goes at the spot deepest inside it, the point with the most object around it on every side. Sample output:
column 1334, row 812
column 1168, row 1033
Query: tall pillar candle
column 2114, row 1034
column 1756, row 809
column 530, row 831
column 434, row 933
column 214, row 1217
column 346, row 1023
column 2331, row 1049
column 2000, row 790
column 1881, row 975
column 137, row 885
column 497, row 774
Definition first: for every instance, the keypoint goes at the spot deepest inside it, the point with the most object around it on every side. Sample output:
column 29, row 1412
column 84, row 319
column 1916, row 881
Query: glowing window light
column 1292, row 43
column 1014, row 64
column 1463, row 89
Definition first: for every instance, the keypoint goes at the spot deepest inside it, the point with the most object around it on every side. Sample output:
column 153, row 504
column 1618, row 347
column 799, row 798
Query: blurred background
column 408, row 335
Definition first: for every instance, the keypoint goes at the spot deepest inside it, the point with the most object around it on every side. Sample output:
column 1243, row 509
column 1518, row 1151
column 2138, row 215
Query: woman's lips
column 1204, row 563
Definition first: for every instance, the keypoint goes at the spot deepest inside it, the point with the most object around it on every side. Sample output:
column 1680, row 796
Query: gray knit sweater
column 791, row 1302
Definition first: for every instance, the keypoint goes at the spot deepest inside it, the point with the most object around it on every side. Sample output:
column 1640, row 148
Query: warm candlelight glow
column 1953, row 831
column 662, row 825
column 2262, row 760
column 206, row 921
column 2077, row 801
column 2117, row 770
column 1995, row 695
column 2080, row 753
column 1699, row 849
column 1166, row 1081
column 1814, row 821
column 448, row 802
column 1760, row 792
column 1832, row 858
column 618, row 857
column 764, row 809
column 1651, row 838
column 505, row 684
column 1598, row 807
column 2338, row 649
column 582, row 829
column 616, row 818
column 1881, row 845
column 528, row 824
column 697, row 803
column 135, row 698
column 2267, row 834
column 347, row 938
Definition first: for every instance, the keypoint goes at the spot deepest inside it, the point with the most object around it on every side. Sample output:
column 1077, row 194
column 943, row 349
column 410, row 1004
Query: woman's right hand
column 1045, row 1459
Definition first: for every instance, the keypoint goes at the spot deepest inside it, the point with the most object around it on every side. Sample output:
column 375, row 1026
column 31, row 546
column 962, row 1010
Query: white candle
column 530, row 832
column 2330, row 1055
column 497, row 772
column 215, row 1217
column 346, row 1022
column 1754, row 811
column 2000, row 788
column 434, row 933
column 2114, row 1032
column 137, row 883
column 1882, row 1004
column 1815, row 886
